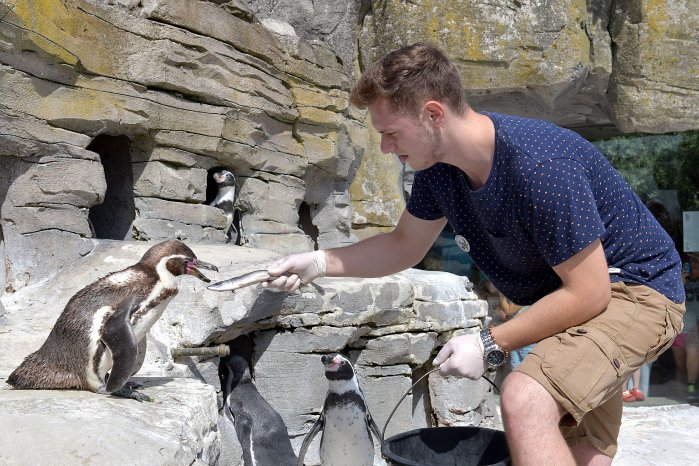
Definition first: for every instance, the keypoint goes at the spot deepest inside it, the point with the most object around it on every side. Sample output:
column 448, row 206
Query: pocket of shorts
column 576, row 369
column 668, row 331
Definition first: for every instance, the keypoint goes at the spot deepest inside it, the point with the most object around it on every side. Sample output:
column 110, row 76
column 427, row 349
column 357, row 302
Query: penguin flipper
column 309, row 438
column 118, row 335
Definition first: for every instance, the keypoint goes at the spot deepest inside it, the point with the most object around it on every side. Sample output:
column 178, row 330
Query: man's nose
column 387, row 145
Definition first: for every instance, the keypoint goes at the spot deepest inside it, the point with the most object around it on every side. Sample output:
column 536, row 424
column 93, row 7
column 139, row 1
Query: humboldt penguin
column 261, row 431
column 225, row 200
column 99, row 340
column 345, row 420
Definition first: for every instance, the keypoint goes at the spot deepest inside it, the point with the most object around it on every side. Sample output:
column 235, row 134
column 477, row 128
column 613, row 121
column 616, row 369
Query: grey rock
column 179, row 427
column 319, row 339
column 156, row 179
column 409, row 348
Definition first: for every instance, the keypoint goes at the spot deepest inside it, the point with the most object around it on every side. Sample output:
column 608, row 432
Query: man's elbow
column 600, row 298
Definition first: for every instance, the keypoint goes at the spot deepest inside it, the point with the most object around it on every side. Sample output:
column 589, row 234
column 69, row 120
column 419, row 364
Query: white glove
column 296, row 270
column 463, row 357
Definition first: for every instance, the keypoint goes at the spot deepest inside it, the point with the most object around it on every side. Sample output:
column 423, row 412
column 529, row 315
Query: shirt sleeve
column 560, row 210
column 422, row 203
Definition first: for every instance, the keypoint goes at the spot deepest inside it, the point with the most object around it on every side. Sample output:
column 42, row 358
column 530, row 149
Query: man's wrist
column 320, row 264
column 503, row 347
column 493, row 354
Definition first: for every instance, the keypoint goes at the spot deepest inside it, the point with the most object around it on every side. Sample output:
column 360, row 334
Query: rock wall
column 630, row 66
column 181, row 88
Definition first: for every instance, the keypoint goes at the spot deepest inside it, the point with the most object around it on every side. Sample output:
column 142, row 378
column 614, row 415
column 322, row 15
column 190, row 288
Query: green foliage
column 650, row 163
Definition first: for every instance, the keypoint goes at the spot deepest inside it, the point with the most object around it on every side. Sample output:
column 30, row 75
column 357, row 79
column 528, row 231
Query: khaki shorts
column 585, row 367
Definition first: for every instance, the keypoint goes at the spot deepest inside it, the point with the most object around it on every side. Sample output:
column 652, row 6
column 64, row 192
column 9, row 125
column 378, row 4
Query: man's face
column 412, row 139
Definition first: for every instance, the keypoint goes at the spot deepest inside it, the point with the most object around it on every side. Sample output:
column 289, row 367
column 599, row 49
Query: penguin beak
column 330, row 361
column 191, row 269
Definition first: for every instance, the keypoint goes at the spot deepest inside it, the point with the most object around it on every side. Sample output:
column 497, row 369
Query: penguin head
column 224, row 178
column 232, row 370
column 337, row 367
column 179, row 259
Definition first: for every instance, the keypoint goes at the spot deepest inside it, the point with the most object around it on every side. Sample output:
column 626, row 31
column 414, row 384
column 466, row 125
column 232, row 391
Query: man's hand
column 296, row 270
column 462, row 357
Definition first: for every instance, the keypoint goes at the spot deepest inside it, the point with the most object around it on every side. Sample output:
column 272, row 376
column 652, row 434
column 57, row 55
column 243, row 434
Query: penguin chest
column 346, row 440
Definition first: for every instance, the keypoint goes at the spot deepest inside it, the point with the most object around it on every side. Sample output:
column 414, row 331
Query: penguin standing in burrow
column 261, row 431
column 345, row 420
column 225, row 200
column 99, row 340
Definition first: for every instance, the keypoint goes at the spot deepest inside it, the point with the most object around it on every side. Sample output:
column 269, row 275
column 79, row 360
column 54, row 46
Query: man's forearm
column 584, row 293
column 386, row 253
column 552, row 314
column 373, row 257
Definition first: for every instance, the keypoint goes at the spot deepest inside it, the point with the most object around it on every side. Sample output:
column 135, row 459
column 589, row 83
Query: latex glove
column 296, row 270
column 462, row 356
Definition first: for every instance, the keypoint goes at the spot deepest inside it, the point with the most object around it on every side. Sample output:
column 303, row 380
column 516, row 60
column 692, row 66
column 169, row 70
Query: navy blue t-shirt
column 550, row 194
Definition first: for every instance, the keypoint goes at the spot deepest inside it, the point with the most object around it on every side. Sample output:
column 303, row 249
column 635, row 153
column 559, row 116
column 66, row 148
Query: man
column 544, row 216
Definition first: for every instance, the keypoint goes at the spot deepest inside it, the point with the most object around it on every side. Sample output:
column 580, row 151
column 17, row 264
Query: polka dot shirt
column 550, row 194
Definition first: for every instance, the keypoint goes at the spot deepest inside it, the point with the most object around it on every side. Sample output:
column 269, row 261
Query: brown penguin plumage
column 103, row 327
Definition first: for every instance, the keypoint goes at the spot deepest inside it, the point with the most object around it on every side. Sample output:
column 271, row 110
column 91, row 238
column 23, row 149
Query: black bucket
column 447, row 446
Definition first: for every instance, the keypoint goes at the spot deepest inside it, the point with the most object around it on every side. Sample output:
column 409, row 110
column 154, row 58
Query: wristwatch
column 493, row 354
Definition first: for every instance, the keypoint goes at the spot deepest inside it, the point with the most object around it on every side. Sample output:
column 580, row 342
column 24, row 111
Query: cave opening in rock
column 306, row 223
column 113, row 218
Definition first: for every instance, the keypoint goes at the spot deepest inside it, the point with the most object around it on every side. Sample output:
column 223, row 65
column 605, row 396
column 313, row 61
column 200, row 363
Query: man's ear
column 433, row 112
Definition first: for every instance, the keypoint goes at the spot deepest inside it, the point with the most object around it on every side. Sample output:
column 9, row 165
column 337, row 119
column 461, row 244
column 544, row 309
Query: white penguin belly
column 346, row 439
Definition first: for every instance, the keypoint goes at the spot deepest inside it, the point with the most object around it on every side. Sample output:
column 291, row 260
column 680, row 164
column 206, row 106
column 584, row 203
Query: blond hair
column 410, row 76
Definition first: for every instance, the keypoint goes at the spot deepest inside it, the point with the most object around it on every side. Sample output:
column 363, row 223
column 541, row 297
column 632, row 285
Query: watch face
column 495, row 358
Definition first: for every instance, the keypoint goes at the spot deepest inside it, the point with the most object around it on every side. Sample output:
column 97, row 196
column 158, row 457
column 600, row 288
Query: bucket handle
column 385, row 426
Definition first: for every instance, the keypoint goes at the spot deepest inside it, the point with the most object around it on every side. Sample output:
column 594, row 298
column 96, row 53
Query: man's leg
column 531, row 417
column 590, row 456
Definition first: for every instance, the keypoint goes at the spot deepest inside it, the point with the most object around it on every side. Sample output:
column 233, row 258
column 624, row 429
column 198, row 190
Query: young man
column 544, row 216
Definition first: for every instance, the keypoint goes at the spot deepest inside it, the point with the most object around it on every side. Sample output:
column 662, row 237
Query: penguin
column 260, row 429
column 99, row 340
column 225, row 200
column 345, row 420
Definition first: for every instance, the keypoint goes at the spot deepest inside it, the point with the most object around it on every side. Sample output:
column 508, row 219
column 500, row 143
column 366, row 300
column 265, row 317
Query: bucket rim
column 453, row 428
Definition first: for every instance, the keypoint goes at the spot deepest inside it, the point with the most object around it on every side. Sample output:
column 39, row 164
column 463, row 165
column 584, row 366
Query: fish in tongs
column 232, row 284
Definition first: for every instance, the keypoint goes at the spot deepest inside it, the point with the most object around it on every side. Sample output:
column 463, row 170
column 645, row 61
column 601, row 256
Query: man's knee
column 522, row 396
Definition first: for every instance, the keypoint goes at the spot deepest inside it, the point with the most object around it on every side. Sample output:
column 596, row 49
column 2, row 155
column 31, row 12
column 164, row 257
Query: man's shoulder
column 538, row 139
column 513, row 124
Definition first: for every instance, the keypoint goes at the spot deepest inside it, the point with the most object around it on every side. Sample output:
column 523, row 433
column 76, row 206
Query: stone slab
column 51, row 427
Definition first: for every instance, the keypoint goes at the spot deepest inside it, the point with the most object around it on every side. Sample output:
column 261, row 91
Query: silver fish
column 252, row 278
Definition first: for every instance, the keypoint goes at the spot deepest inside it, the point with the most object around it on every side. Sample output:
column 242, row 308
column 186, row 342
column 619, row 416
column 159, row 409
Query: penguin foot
column 133, row 385
column 128, row 392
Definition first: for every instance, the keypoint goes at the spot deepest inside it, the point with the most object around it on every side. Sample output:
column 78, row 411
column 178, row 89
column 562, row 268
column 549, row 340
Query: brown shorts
column 585, row 367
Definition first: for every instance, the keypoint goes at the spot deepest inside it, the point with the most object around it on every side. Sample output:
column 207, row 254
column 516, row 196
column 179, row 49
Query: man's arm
column 385, row 253
column 585, row 293
column 377, row 256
